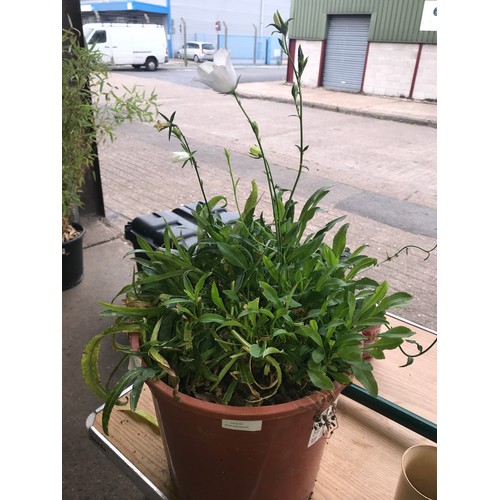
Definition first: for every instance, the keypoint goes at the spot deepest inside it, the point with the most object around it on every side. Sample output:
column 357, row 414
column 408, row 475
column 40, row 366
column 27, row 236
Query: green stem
column 194, row 164
column 299, row 110
column 406, row 249
column 420, row 353
column 269, row 176
column 301, row 129
column 233, row 183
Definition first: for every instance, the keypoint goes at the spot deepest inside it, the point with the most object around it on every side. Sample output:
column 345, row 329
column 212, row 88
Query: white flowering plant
column 257, row 312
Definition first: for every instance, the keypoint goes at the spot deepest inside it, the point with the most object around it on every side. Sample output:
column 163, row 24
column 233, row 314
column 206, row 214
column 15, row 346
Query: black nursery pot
column 72, row 259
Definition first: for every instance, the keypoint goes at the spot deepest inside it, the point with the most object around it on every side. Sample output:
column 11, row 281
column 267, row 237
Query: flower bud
column 255, row 152
column 161, row 125
column 180, row 157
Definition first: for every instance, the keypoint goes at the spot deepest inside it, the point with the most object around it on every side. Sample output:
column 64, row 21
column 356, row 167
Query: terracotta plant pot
column 219, row 452
column 371, row 334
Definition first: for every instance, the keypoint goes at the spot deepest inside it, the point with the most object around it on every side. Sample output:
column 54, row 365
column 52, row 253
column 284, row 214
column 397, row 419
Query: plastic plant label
column 321, row 425
column 134, row 362
column 242, row 425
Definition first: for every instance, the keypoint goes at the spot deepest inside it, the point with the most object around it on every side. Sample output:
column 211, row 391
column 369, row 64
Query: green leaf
column 386, row 343
column 318, row 356
column 320, row 379
column 310, row 207
column 339, row 241
column 251, row 202
column 362, row 263
column 140, row 377
column 256, row 350
column 156, row 356
column 351, row 301
column 216, row 299
column 377, row 296
column 271, row 350
column 308, row 331
column 211, row 318
column 143, row 417
column 270, row 293
column 156, row 329
column 350, row 354
column 115, row 394
column 270, row 266
column 130, row 311
column 366, row 378
column 90, row 358
column 409, row 361
column 90, row 369
column 397, row 332
column 305, row 251
column 224, row 370
column 200, row 283
column 213, row 202
column 397, row 299
column 233, row 255
column 241, row 339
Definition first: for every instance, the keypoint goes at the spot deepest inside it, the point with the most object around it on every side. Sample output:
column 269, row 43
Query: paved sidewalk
column 388, row 108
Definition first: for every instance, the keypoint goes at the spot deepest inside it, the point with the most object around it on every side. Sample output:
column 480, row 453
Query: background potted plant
column 247, row 337
column 91, row 110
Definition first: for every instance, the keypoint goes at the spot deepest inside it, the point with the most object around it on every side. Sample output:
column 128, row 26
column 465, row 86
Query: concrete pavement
column 385, row 108
column 87, row 472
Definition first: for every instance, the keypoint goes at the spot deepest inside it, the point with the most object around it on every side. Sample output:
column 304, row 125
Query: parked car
column 197, row 51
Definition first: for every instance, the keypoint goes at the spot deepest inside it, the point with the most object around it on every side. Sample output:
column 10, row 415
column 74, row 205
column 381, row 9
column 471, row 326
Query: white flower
column 180, row 157
column 219, row 74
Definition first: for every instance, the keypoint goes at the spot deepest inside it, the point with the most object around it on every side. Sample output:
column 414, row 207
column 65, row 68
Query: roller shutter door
column 345, row 52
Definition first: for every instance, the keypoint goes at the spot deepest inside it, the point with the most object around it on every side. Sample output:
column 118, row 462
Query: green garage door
column 345, row 52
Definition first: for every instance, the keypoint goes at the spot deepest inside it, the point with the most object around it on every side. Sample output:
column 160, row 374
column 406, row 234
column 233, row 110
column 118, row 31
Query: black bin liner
column 180, row 220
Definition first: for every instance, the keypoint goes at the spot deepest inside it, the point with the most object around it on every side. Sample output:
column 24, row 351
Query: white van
column 123, row 44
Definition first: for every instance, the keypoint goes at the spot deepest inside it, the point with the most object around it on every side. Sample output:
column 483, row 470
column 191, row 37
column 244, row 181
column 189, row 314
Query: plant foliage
column 257, row 312
column 92, row 108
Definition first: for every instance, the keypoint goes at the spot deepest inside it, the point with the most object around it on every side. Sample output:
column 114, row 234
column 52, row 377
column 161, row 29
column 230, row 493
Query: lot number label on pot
column 242, row 425
column 321, row 425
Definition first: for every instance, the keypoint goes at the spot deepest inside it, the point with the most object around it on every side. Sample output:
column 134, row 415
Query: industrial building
column 198, row 20
column 379, row 47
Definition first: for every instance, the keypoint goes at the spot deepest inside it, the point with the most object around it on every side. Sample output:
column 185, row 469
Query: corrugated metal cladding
column 346, row 52
column 391, row 20
column 132, row 17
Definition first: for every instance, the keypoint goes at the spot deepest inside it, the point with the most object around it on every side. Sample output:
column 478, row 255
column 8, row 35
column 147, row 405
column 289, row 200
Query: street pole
column 225, row 34
column 261, row 16
column 254, row 44
column 185, row 40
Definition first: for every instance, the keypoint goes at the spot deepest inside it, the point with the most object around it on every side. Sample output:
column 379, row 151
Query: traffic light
column 217, row 25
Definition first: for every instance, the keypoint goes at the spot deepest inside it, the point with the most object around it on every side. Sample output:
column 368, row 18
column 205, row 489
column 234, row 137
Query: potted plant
column 91, row 110
column 247, row 337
